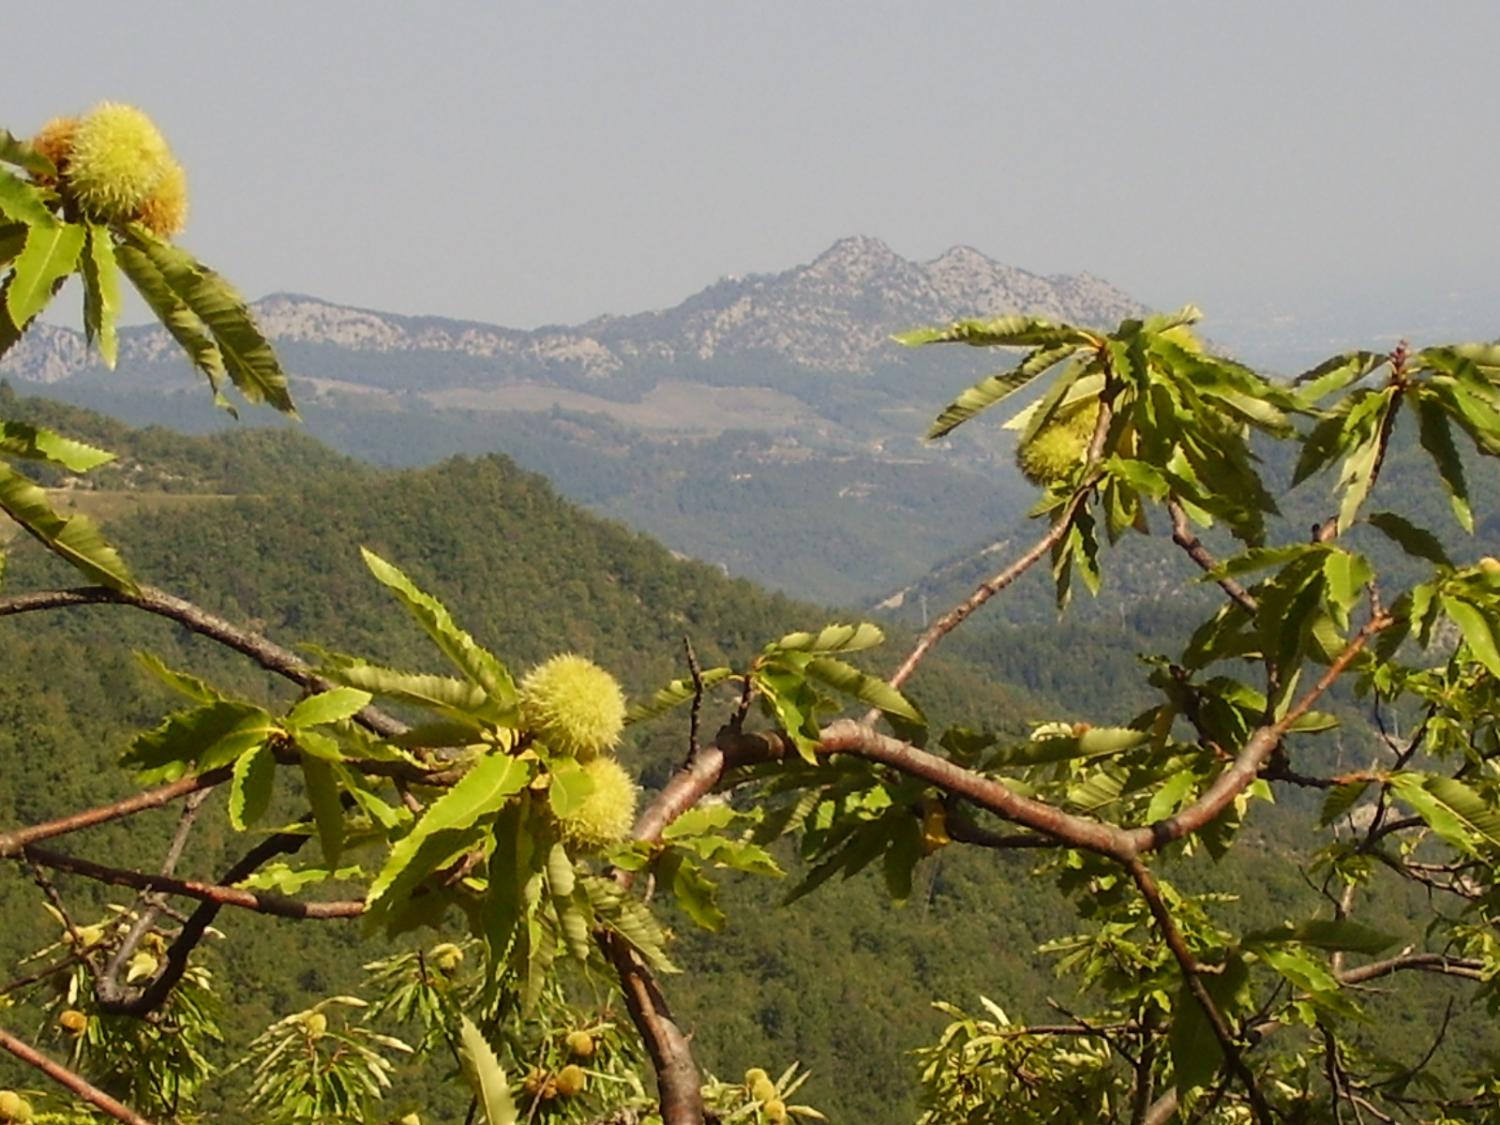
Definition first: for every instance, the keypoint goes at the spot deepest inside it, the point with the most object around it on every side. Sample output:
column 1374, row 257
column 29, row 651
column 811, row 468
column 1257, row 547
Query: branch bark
column 258, row 901
column 12, row 843
column 265, row 652
column 1193, row 976
column 678, row 1085
column 74, row 1083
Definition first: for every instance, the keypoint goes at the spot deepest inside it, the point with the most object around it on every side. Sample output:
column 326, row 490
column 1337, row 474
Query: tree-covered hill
column 841, row 980
column 274, row 543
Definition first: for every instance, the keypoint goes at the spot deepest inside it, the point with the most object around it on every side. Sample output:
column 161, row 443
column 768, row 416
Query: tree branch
column 258, row 901
column 11, row 843
column 678, row 1084
column 263, row 651
column 66, row 1078
column 1184, row 536
column 1193, row 976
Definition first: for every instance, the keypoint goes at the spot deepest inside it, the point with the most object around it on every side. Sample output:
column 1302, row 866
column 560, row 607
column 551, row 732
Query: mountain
column 834, row 314
column 767, row 424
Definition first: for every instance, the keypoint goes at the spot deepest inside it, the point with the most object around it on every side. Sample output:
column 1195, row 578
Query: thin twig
column 1184, row 536
column 149, row 903
column 696, row 711
column 12, row 842
column 259, row 901
column 1192, row 975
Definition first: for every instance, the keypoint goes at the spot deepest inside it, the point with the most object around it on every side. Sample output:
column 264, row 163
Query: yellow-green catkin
column 165, row 210
column 573, row 706
column 54, row 140
column 118, row 157
column 1056, row 449
column 606, row 815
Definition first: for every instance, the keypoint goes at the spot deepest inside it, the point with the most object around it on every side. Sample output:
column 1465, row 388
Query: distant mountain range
column 834, row 314
column 766, row 424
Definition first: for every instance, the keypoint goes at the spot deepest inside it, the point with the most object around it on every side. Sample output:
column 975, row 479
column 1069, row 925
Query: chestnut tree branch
column 71, row 1081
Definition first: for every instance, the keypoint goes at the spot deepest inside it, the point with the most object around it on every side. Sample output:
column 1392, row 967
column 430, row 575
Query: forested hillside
column 264, row 527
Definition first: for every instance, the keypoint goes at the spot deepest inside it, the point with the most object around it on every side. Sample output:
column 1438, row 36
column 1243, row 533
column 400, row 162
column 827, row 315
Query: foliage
column 457, row 809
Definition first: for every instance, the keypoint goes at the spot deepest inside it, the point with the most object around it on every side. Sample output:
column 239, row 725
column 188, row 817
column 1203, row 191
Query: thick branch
column 258, row 901
column 677, row 1080
column 75, row 1083
column 264, row 652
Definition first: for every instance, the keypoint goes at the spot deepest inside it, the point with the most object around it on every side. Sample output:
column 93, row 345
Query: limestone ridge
column 833, row 315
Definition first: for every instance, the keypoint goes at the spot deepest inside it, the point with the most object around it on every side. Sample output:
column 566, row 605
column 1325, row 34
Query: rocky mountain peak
column 834, row 314
column 855, row 260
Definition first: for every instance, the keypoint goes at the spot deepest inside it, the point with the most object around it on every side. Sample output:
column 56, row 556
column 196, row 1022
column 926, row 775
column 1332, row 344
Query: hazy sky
column 546, row 162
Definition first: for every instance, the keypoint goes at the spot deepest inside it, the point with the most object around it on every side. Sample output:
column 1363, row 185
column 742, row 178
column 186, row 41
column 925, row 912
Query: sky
column 1311, row 171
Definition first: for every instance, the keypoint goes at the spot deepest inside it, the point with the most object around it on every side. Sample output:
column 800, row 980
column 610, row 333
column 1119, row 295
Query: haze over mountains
column 760, row 410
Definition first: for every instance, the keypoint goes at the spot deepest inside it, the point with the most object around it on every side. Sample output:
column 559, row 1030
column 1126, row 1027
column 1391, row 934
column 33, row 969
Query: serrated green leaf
column 1363, row 459
column 575, row 918
column 514, row 863
column 1301, row 971
column 32, row 443
column 695, row 893
column 76, row 539
column 480, row 792
column 327, row 707
column 902, row 854
column 12, row 241
column 251, row 785
column 1451, row 809
column 14, row 150
column 794, row 705
column 832, row 638
column 1340, row 935
column 101, row 293
column 1169, row 797
column 458, row 646
column 460, row 700
column 1341, row 798
column 673, row 695
column 485, row 1075
column 318, row 745
column 864, row 687
column 51, row 254
column 1016, row 331
column 1347, row 574
column 287, row 880
column 629, row 917
column 327, row 807
column 1437, row 440
column 198, row 690
column 1336, row 373
column 996, row 388
column 180, row 321
column 24, row 202
column 569, row 787
column 184, row 738
column 247, row 355
column 1476, row 630
column 1093, row 743
column 1415, row 541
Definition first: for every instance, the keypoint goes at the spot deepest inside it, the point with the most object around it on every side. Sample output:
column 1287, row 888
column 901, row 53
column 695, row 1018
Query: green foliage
column 478, row 807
